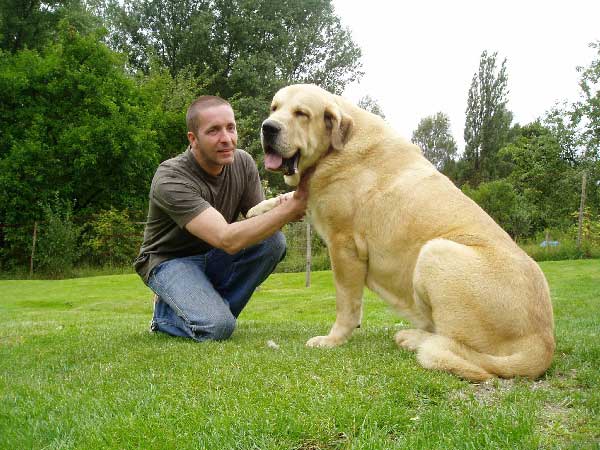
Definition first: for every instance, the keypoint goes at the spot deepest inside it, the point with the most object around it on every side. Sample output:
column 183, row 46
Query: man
column 201, row 263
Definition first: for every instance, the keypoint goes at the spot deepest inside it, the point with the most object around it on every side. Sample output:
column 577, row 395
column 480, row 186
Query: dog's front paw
column 322, row 342
column 263, row 207
column 255, row 211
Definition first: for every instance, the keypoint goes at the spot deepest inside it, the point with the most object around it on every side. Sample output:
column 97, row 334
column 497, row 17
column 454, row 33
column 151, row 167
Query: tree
column 166, row 100
column 238, row 46
column 542, row 175
column 487, row 119
column 504, row 204
column 368, row 103
column 434, row 137
column 577, row 130
column 587, row 110
column 169, row 31
column 586, row 116
column 32, row 23
column 73, row 126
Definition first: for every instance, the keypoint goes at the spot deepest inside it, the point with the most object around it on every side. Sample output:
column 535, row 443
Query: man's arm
column 211, row 226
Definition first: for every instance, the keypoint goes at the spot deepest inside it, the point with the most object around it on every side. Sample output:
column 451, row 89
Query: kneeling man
column 201, row 263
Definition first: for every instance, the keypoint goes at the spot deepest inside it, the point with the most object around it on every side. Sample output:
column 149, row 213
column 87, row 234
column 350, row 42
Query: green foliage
column 81, row 121
column 567, row 249
column 487, row 122
column 57, row 247
column 112, row 238
column 166, row 99
column 241, row 46
column 590, row 227
column 542, row 175
column 502, row 202
column 577, row 129
column 435, row 139
column 33, row 24
column 587, row 110
column 29, row 23
column 585, row 118
column 72, row 123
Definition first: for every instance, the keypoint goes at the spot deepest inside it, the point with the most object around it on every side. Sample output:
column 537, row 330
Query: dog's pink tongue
column 273, row 161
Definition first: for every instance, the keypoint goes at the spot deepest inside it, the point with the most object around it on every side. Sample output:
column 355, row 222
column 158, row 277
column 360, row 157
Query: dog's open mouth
column 277, row 163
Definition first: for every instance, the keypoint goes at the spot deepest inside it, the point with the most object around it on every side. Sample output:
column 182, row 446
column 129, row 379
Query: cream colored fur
column 479, row 305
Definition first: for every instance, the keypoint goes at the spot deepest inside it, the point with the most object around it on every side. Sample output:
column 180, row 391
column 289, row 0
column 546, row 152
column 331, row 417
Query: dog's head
column 305, row 123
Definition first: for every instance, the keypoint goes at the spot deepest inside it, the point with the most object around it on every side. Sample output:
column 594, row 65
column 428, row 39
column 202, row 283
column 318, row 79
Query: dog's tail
column 443, row 353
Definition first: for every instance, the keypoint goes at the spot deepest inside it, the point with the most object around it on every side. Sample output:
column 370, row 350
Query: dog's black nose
column 270, row 128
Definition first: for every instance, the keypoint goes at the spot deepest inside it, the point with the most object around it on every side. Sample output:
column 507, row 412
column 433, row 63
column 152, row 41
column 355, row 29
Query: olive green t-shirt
column 180, row 191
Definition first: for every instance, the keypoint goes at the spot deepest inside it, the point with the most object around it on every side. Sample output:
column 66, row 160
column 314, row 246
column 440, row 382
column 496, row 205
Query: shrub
column 112, row 238
column 504, row 204
column 566, row 249
column 590, row 230
column 57, row 244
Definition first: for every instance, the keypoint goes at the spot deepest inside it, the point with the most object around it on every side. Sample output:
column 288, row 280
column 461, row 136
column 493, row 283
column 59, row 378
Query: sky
column 419, row 56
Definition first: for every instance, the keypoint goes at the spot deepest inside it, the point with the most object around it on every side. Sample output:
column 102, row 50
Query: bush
column 590, row 230
column 504, row 204
column 112, row 239
column 567, row 248
column 57, row 245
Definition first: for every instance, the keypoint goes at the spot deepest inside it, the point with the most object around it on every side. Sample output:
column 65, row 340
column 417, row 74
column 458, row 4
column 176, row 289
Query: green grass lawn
column 78, row 369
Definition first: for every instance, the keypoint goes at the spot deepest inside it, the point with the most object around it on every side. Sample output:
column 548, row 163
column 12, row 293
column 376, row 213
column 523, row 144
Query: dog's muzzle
column 270, row 130
column 274, row 161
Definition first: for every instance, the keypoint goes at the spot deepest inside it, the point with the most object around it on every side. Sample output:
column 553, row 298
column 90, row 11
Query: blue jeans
column 201, row 296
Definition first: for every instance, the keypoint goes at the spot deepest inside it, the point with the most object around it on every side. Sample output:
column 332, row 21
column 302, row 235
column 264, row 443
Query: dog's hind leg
column 444, row 295
column 440, row 353
column 482, row 319
column 411, row 339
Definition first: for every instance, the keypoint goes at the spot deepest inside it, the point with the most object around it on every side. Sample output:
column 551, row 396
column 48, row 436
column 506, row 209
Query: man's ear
column 191, row 137
column 339, row 125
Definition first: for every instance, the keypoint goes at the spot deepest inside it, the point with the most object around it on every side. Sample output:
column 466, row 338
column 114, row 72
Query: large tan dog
column 480, row 306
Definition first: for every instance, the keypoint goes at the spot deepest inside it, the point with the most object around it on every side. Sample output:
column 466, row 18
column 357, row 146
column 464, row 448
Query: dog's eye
column 300, row 114
column 273, row 108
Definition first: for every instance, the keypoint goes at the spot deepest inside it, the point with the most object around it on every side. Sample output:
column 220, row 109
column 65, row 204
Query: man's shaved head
column 200, row 104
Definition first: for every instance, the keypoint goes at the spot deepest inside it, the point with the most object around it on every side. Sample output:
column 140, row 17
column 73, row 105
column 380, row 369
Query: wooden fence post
column 308, row 254
column 33, row 249
column 581, row 210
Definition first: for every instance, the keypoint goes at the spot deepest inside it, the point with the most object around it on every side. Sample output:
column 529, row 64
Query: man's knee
column 220, row 328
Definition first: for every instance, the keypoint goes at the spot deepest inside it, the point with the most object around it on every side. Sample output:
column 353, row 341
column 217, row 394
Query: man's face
column 215, row 141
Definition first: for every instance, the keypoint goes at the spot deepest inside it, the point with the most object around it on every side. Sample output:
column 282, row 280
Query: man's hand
column 294, row 205
column 297, row 201
column 298, row 198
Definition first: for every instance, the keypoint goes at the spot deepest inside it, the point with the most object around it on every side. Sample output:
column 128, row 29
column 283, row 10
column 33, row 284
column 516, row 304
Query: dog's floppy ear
column 339, row 125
